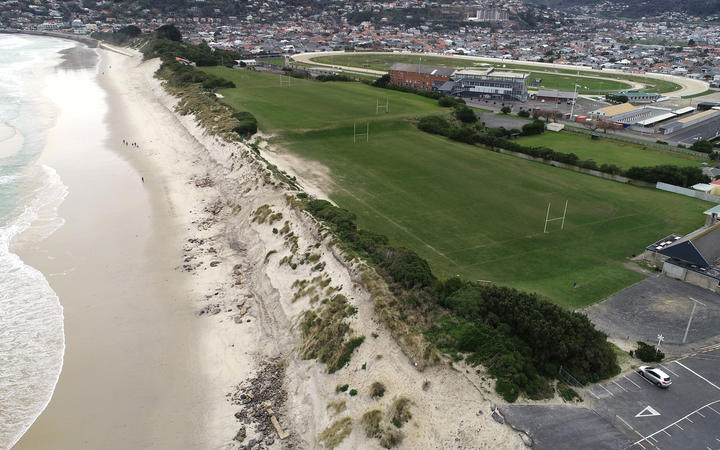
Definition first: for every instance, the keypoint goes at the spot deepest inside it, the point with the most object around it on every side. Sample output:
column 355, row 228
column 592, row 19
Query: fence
column 687, row 192
column 632, row 140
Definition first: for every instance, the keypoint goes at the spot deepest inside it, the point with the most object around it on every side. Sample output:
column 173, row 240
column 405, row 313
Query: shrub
column 247, row 123
column 702, row 146
column 648, row 353
column 505, row 110
column 524, row 113
column 508, row 390
column 567, row 393
column 342, row 388
column 353, row 392
column 464, row 113
column 533, row 128
column 434, row 125
column 334, row 77
column 446, row 101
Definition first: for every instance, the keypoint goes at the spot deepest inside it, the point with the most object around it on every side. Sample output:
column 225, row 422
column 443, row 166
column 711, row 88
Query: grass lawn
column 384, row 61
column 608, row 151
column 308, row 104
column 467, row 210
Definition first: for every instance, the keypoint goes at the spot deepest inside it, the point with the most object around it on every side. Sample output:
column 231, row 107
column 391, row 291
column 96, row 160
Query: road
column 688, row 85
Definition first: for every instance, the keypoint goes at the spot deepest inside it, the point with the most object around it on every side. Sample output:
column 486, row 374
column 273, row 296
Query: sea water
column 31, row 319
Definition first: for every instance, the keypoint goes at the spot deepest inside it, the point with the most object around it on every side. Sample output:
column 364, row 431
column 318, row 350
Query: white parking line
column 636, row 385
column 619, row 386
column 688, row 419
column 700, row 414
column 606, row 390
column 699, row 376
column 716, row 412
column 645, row 439
column 668, row 369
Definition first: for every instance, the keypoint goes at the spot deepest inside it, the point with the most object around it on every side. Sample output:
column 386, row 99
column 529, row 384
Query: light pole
column 574, row 99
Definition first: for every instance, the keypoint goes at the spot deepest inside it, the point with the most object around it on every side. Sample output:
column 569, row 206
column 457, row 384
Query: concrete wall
column 687, row 192
column 691, row 277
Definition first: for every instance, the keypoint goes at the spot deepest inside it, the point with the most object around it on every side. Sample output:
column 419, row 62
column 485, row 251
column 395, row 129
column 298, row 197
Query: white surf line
column 636, row 385
column 645, row 439
column 698, row 375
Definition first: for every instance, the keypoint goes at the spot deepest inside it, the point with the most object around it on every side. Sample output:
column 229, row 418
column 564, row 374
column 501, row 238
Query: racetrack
column 689, row 86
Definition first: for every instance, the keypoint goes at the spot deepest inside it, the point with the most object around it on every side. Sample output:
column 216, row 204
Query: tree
column 506, row 110
column 169, row 32
column 702, row 146
column 465, row 114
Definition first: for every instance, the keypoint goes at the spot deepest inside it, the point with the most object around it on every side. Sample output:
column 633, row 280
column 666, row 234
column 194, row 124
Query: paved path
column 688, row 85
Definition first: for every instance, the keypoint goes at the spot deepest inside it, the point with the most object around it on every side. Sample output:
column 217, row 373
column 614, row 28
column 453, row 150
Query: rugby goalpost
column 561, row 218
column 382, row 106
column 361, row 134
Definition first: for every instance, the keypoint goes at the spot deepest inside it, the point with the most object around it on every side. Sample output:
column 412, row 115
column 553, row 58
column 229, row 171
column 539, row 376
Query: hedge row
column 496, row 139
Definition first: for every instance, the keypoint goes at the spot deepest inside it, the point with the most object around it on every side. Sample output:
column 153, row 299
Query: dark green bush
column 248, row 123
column 524, row 113
column 533, row 128
column 434, row 125
column 648, row 353
column 464, row 113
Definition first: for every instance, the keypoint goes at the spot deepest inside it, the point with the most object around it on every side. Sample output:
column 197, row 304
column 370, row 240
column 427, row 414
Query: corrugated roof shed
column 617, row 109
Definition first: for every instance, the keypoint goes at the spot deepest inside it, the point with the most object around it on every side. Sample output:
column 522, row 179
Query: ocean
column 31, row 317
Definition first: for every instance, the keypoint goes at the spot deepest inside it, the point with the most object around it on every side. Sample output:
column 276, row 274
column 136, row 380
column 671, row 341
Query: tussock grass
column 333, row 435
column 377, row 390
column 261, row 214
column 326, row 335
column 337, row 406
column 371, row 423
column 400, row 411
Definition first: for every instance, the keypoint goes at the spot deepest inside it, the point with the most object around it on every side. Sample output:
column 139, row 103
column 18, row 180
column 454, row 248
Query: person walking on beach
column 143, row 179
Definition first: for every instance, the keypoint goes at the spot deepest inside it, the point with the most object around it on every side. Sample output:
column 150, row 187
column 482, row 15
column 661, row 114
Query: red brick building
column 417, row 76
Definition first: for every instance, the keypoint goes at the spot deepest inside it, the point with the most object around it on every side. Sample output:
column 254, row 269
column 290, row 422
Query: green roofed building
column 638, row 96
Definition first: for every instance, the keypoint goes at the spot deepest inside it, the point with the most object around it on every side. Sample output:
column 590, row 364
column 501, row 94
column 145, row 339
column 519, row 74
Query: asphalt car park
column 684, row 416
column 630, row 412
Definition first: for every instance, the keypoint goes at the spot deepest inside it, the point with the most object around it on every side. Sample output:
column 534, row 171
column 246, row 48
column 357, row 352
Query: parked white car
column 656, row 376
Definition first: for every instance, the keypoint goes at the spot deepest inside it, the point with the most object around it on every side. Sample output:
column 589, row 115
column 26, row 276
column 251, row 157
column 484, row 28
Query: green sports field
column 608, row 151
column 467, row 210
column 553, row 78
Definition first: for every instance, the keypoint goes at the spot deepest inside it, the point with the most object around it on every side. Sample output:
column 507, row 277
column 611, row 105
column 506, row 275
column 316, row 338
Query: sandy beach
column 180, row 314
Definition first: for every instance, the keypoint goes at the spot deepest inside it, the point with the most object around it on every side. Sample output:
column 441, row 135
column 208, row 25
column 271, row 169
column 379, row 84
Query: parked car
column 655, row 375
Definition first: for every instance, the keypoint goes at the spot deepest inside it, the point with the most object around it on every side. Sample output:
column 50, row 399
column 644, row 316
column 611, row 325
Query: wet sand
column 133, row 374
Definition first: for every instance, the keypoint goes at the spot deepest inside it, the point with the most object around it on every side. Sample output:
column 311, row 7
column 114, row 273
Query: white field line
column 698, row 375
column 675, row 423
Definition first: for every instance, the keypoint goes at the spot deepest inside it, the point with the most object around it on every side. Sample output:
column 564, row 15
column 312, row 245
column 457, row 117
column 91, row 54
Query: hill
column 643, row 7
